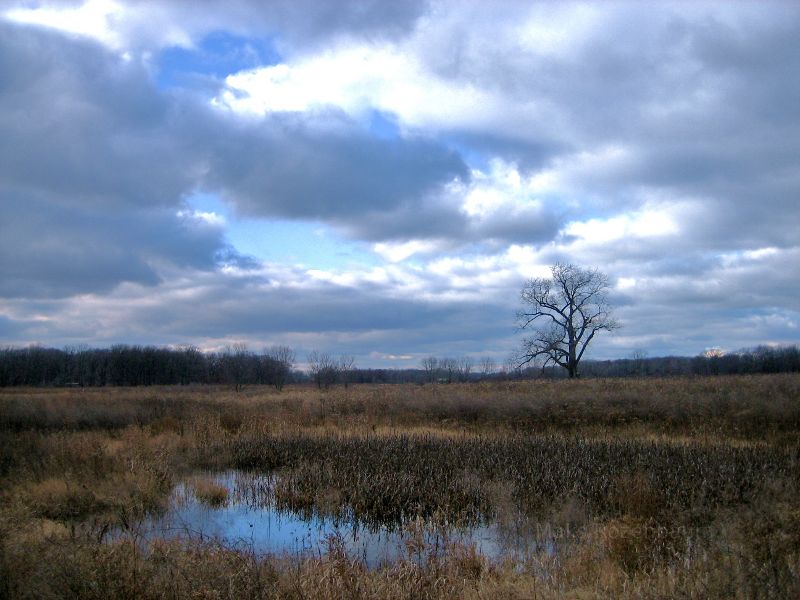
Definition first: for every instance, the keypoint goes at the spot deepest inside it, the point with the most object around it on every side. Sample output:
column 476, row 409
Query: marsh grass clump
column 209, row 492
column 118, row 498
column 637, row 544
column 57, row 499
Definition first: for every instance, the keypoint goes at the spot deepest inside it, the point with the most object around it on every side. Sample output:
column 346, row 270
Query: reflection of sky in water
column 244, row 522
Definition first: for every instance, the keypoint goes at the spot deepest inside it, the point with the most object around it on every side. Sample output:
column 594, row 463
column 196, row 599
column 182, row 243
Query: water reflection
column 249, row 520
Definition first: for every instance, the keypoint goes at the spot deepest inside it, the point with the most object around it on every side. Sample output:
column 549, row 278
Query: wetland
column 600, row 488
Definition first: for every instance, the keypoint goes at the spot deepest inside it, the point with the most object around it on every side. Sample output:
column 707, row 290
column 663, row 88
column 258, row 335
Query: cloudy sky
column 380, row 178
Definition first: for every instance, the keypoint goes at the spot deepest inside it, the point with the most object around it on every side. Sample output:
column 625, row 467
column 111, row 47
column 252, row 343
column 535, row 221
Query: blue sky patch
column 307, row 243
column 383, row 125
column 216, row 56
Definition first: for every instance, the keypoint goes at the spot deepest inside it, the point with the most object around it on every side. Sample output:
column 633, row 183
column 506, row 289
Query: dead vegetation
column 654, row 488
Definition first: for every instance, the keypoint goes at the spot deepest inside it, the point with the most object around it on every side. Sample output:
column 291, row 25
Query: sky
column 380, row 179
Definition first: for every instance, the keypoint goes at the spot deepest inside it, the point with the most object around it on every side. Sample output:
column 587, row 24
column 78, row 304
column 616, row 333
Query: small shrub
column 58, row 499
column 209, row 492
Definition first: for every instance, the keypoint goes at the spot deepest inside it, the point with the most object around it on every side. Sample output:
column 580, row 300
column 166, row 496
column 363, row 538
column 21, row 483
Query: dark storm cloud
column 111, row 137
column 305, row 22
column 702, row 101
column 536, row 226
column 283, row 167
column 252, row 310
column 9, row 328
column 717, row 121
column 77, row 121
column 428, row 218
column 90, row 178
column 530, row 153
column 746, row 282
column 441, row 219
column 96, row 164
column 296, row 24
column 216, row 307
column 52, row 250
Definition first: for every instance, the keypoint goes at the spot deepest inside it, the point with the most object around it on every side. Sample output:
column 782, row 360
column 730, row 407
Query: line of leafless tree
column 326, row 370
column 448, row 370
column 123, row 365
column 237, row 366
column 750, row 361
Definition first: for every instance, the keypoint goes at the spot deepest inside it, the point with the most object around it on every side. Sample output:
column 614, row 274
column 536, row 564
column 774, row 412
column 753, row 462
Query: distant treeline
column 762, row 359
column 124, row 365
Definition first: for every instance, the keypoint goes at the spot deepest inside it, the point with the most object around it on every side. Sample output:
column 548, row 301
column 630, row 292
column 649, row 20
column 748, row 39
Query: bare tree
column 564, row 314
column 323, row 368
column 235, row 364
column 448, row 368
column 347, row 364
column 487, row 365
column 511, row 368
column 283, row 358
column 464, row 368
column 430, row 364
column 639, row 360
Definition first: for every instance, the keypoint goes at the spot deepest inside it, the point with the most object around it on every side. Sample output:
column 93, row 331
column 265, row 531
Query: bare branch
column 574, row 306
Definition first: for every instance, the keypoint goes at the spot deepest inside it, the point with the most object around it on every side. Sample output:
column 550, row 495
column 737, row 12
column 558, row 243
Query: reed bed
column 385, row 479
column 652, row 488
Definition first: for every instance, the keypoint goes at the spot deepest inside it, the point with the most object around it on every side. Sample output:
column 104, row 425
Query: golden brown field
column 650, row 488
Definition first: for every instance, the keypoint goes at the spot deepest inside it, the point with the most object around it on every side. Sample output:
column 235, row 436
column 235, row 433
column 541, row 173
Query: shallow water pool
column 249, row 520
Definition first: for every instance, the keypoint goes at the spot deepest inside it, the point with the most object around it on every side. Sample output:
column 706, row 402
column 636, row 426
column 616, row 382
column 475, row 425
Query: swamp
column 596, row 488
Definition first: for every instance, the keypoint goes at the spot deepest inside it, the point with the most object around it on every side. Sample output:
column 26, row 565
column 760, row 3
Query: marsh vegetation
column 681, row 487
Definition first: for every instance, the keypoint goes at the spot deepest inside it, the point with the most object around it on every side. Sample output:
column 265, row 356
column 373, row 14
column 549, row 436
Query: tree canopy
column 563, row 314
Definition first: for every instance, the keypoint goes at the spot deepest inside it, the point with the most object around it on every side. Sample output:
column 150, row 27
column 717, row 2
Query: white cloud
column 398, row 251
column 646, row 223
column 391, row 357
column 742, row 258
column 499, row 189
column 95, row 19
column 202, row 217
column 761, row 253
column 114, row 23
column 357, row 79
column 350, row 78
column 551, row 30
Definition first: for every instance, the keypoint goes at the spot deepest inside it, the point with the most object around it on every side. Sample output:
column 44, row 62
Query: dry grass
column 209, row 492
column 655, row 488
column 735, row 407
